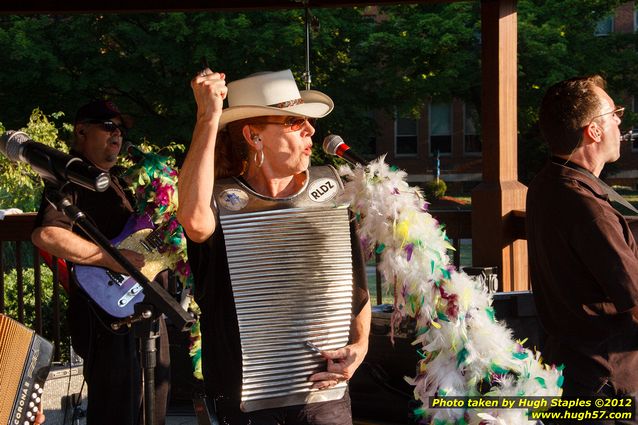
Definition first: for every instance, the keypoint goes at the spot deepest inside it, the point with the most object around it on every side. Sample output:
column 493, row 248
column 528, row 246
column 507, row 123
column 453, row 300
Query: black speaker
column 64, row 400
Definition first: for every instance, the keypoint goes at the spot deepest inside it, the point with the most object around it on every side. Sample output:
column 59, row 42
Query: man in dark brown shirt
column 111, row 359
column 583, row 258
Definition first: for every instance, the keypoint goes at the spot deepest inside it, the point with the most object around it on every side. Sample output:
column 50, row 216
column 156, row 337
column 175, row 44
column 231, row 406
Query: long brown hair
column 231, row 151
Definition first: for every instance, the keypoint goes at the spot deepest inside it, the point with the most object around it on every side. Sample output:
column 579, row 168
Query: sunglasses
column 295, row 123
column 109, row 126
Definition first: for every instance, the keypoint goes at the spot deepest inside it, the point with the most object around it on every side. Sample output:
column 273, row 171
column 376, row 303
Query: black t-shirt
column 108, row 210
column 221, row 349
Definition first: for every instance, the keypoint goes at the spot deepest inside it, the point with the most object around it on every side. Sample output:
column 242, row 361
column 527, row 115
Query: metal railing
column 19, row 254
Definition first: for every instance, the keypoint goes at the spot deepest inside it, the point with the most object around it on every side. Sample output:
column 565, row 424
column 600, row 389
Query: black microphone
column 629, row 136
column 334, row 145
column 131, row 150
column 52, row 165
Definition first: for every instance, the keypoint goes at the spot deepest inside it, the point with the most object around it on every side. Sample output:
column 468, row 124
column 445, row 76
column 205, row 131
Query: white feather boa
column 465, row 348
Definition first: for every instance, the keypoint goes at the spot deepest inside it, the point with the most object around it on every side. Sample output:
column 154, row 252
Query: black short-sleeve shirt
column 109, row 210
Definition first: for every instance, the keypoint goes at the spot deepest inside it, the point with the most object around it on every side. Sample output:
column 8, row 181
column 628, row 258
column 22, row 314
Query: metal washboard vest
column 290, row 263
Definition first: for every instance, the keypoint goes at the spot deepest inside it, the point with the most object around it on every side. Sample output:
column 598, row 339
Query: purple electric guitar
column 117, row 293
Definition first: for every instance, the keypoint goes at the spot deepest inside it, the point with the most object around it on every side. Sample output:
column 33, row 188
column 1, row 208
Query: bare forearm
column 63, row 243
column 197, row 177
column 196, row 181
column 343, row 362
column 360, row 329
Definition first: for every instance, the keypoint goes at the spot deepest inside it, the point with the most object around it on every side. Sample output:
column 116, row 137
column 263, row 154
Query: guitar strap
column 58, row 266
column 619, row 203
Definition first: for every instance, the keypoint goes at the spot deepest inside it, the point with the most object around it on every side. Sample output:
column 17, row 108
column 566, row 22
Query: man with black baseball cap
column 111, row 359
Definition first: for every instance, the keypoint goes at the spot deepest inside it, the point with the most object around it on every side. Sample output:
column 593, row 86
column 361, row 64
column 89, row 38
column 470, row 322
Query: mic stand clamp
column 138, row 316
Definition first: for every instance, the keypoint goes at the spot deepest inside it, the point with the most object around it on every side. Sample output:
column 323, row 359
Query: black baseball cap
column 101, row 110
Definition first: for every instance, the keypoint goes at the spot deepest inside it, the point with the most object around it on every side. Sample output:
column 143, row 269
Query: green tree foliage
column 393, row 58
column 424, row 52
column 557, row 41
column 145, row 62
column 20, row 186
column 434, row 189
column 11, row 291
column 11, row 302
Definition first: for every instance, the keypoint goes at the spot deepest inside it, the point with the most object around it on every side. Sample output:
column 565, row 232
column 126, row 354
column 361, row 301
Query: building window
column 604, row 26
column 406, row 136
column 441, row 128
column 472, row 138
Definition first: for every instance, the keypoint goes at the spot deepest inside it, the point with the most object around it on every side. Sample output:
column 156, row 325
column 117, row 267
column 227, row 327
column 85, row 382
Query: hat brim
column 315, row 105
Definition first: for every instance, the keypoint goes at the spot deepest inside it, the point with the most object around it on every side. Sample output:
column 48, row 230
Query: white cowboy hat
column 272, row 93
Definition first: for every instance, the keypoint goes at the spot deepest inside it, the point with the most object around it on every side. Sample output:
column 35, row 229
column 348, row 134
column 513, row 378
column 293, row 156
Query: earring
column 259, row 162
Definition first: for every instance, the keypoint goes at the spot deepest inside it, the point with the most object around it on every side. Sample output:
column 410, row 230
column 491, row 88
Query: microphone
column 334, row 145
column 52, row 165
column 133, row 151
column 629, row 136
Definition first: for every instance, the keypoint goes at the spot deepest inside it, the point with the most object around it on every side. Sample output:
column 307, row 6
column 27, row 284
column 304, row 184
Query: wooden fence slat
column 19, row 280
column 55, row 300
column 37, row 290
column 2, row 276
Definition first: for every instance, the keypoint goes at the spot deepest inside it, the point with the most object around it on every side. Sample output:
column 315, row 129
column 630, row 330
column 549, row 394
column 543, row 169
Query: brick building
column 447, row 128
column 450, row 129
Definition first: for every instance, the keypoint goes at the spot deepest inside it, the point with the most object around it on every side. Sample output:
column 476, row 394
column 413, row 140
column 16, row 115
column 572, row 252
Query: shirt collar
column 585, row 178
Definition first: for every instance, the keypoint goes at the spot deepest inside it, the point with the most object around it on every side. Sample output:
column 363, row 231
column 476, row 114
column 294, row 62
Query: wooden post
column 494, row 241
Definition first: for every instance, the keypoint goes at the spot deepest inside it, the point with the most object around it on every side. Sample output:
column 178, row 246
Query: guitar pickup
column 146, row 246
column 115, row 277
column 130, row 294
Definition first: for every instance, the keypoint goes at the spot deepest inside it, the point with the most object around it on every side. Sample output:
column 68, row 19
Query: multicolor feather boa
column 153, row 180
column 464, row 350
